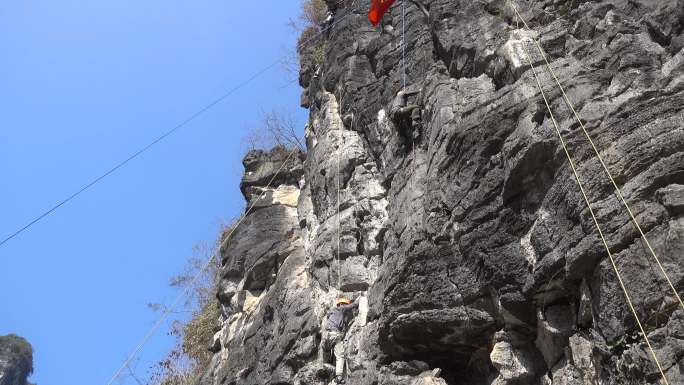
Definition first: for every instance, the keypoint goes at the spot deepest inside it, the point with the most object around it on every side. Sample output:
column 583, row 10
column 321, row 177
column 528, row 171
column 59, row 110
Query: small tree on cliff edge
column 308, row 25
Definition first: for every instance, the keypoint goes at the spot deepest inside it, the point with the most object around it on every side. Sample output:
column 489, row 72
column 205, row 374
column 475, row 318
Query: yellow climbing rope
column 593, row 216
column 618, row 191
column 591, row 211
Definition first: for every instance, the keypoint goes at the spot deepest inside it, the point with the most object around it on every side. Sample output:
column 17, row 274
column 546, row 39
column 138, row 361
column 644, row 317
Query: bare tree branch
column 275, row 129
column 282, row 128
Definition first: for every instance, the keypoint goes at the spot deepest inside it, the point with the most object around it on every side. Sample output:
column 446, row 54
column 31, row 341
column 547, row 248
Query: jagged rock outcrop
column 16, row 360
column 458, row 221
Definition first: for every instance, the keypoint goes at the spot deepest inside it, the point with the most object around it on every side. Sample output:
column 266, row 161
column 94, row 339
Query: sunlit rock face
column 451, row 212
column 16, row 360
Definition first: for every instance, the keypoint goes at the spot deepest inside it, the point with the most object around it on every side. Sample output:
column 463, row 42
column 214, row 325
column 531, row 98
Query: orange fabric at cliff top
column 378, row 9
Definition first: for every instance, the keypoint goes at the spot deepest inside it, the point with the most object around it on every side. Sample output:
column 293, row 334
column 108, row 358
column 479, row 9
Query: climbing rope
column 339, row 220
column 593, row 215
column 170, row 132
column 618, row 191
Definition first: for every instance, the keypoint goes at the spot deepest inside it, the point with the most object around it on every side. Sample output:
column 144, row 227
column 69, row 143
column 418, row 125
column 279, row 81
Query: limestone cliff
column 16, row 360
column 461, row 229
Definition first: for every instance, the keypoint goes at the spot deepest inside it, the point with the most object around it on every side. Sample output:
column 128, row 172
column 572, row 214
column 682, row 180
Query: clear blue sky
column 84, row 83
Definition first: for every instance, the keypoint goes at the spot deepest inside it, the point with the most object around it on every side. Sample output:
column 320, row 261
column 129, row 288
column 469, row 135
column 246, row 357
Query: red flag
column 378, row 9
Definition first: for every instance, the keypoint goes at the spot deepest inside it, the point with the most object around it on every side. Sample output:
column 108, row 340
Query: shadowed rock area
column 460, row 227
column 16, row 360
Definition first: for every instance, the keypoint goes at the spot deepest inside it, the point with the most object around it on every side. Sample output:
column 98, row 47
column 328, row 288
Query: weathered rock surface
column 451, row 210
column 16, row 360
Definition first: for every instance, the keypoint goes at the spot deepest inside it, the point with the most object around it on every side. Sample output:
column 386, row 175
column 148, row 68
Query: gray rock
column 430, row 378
column 585, row 316
column 554, row 327
column 457, row 214
column 581, row 353
column 668, row 344
column 672, row 197
column 513, row 364
column 566, row 374
column 16, row 360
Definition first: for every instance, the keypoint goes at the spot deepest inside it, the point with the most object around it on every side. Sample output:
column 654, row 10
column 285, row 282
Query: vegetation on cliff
column 193, row 334
column 16, row 360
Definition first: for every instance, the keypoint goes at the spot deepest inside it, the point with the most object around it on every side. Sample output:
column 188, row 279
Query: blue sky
column 84, row 84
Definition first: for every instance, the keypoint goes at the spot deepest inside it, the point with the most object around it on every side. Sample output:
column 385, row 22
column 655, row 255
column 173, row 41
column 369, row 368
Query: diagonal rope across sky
column 166, row 134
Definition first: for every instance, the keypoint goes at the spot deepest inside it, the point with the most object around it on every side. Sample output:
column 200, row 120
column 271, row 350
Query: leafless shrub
column 190, row 356
column 276, row 129
column 308, row 34
column 283, row 129
column 313, row 14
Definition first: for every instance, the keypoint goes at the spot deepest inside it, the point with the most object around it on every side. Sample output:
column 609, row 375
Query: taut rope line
column 618, row 191
column 339, row 220
column 593, row 215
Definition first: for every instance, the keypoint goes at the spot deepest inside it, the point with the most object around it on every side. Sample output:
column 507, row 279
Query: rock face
column 449, row 209
column 16, row 360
